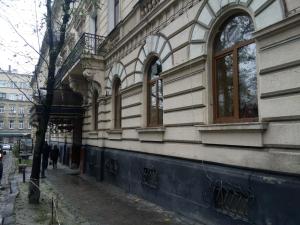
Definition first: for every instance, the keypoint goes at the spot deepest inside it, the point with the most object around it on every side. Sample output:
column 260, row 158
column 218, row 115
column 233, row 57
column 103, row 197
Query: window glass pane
column 155, row 69
column 160, row 101
column 247, row 81
column 153, row 105
column 155, row 93
column 96, row 107
column 225, row 86
column 237, row 29
column 118, row 104
column 117, row 12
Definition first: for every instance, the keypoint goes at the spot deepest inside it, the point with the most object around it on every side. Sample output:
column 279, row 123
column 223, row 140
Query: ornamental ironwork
column 231, row 200
column 112, row 166
column 150, row 178
column 89, row 44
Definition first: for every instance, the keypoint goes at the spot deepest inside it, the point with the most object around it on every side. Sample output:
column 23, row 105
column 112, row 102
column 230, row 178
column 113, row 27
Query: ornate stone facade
column 187, row 159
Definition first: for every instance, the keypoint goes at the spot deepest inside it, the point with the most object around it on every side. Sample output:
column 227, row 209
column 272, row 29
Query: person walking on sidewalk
column 54, row 156
column 45, row 156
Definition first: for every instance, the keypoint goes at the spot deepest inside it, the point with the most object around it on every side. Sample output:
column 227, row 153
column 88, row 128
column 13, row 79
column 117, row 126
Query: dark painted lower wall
column 213, row 194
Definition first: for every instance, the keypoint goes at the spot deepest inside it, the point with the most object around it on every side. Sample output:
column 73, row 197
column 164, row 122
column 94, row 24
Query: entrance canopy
column 66, row 108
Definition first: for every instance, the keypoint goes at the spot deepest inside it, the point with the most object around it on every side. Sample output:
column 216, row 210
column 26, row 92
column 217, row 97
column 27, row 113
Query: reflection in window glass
column 235, row 71
column 236, row 29
column 155, row 95
column 247, row 81
column 225, row 86
column 118, row 104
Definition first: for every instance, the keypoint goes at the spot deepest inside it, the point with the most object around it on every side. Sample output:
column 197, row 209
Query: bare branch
column 21, row 36
column 36, row 26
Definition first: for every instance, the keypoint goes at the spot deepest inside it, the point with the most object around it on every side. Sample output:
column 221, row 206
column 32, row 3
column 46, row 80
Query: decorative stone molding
column 235, row 134
column 147, row 6
column 92, row 87
column 152, row 134
column 80, row 86
column 156, row 45
column 260, row 11
column 89, row 74
column 115, row 134
column 118, row 70
column 153, row 25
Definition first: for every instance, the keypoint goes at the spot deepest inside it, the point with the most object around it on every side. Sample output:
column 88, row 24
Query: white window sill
column 151, row 134
column 235, row 134
column 115, row 134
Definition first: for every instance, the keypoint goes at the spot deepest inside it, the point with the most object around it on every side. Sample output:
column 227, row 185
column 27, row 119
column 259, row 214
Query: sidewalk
column 41, row 214
column 104, row 204
column 8, row 190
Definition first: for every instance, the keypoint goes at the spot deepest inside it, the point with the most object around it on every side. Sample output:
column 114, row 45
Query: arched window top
column 234, row 76
column 117, row 84
column 236, row 29
column 155, row 69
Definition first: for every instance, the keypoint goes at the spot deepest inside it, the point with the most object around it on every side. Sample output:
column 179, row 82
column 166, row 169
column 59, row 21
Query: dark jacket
column 54, row 153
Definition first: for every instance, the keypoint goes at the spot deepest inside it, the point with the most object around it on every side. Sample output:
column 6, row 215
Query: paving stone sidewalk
column 103, row 204
column 8, row 190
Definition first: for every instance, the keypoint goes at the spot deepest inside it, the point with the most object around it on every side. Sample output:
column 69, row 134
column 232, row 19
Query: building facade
column 14, row 106
column 193, row 105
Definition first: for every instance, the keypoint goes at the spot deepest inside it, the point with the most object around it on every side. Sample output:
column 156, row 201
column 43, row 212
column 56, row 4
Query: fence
column 54, row 205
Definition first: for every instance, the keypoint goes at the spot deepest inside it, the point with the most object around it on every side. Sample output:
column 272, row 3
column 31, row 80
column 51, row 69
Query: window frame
column 233, row 50
column 11, row 124
column 116, row 12
column 149, row 84
column 117, row 103
column 21, row 124
column 95, row 108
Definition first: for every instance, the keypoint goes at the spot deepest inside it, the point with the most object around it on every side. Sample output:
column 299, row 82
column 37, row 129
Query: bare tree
column 56, row 28
column 54, row 50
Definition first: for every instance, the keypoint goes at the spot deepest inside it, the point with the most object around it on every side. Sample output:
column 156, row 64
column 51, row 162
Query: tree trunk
column 54, row 50
column 34, row 191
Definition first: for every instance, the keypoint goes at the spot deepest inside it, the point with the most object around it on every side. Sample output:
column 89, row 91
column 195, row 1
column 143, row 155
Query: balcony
column 89, row 45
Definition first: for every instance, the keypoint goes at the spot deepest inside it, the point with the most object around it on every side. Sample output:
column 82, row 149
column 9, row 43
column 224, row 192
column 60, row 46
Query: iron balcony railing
column 87, row 44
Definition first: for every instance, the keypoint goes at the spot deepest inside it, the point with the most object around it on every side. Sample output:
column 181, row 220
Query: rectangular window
column 1, row 124
column 12, row 109
column 21, row 124
column 2, row 95
column 116, row 12
column 12, row 85
column 21, row 110
column 11, row 124
column 1, row 108
column 29, row 125
column 11, row 97
column 3, row 83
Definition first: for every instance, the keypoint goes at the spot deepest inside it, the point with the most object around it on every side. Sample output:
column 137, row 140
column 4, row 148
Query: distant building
column 14, row 106
column 191, row 104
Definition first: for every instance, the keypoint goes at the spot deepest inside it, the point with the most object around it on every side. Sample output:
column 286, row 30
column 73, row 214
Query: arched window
column 234, row 71
column 95, row 109
column 117, row 104
column 155, row 93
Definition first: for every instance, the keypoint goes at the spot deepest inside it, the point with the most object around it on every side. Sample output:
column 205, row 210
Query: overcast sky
column 13, row 50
